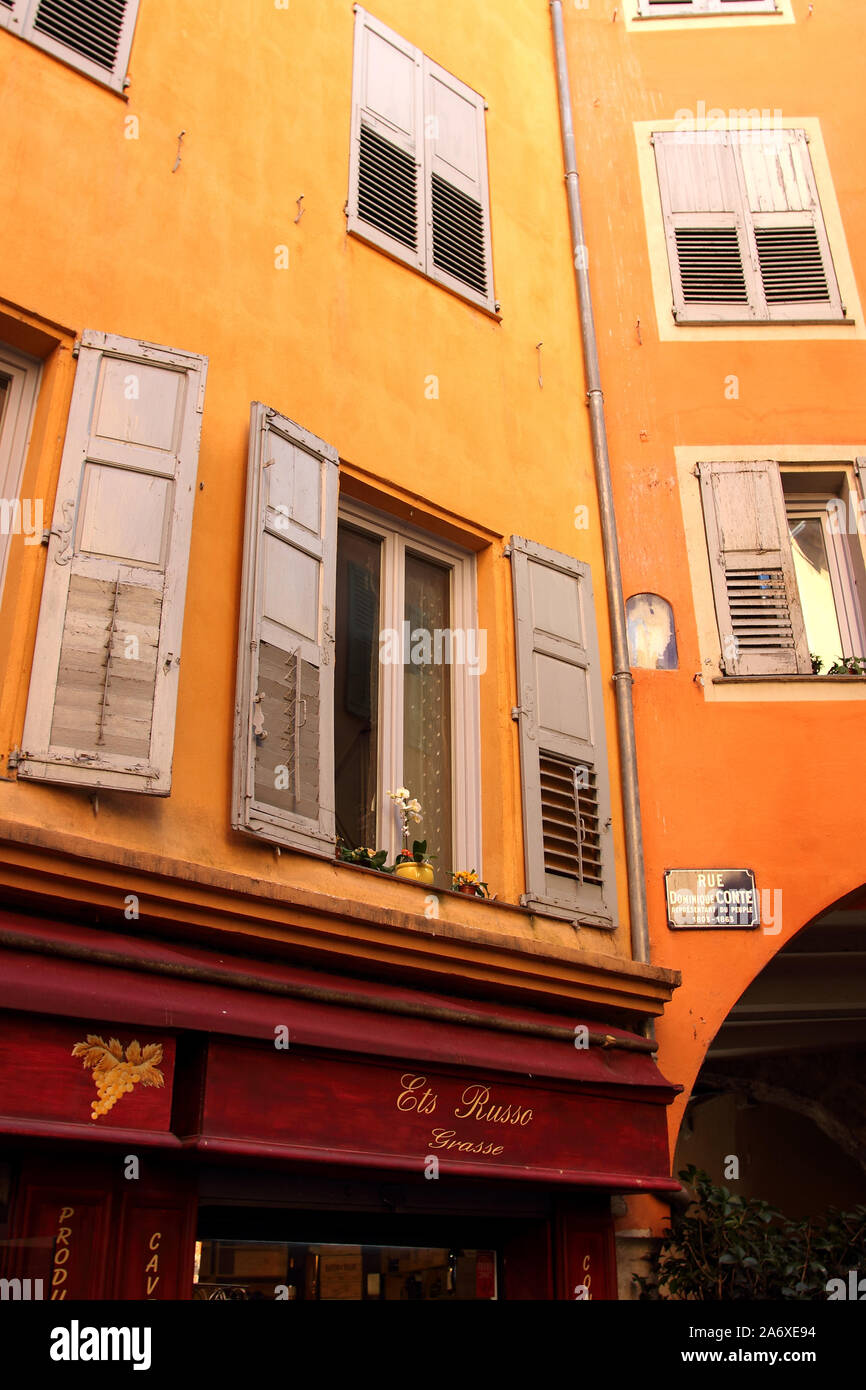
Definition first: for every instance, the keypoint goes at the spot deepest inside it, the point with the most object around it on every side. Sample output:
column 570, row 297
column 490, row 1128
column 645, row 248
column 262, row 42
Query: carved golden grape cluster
column 115, row 1074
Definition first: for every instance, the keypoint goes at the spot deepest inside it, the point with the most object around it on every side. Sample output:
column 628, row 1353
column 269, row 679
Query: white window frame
column 849, row 608
column 23, row 374
column 398, row 538
column 685, row 9
column 20, row 20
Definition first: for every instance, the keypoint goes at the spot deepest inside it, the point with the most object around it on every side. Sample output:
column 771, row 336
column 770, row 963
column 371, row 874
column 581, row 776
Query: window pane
column 427, row 707
column 815, row 586
column 356, row 700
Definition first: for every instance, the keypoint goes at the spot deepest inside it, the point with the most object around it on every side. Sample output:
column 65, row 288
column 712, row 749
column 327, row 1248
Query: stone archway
column 783, row 1085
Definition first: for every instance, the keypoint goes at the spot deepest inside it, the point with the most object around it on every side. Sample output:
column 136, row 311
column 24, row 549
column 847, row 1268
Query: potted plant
column 415, row 864
column 467, row 881
column 366, row 858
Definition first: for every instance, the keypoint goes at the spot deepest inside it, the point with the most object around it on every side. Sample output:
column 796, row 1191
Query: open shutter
column 385, row 192
column 284, row 740
column 94, row 36
column 563, row 749
column 456, row 187
column 754, row 583
column 105, row 670
column 795, row 266
column 713, row 277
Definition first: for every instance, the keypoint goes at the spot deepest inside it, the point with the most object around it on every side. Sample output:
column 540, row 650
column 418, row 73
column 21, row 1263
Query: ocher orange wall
column 774, row 786
column 101, row 234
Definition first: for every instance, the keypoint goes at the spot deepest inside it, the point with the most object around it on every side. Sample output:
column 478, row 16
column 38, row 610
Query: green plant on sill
column 817, row 663
column 848, row 666
column 419, row 854
column 366, row 858
column 726, row 1247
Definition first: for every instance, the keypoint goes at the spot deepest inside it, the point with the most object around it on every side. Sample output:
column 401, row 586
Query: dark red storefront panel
column 157, row 1241
column 526, row 1263
column 586, row 1256
column 41, row 1079
column 312, row 1106
column 60, row 1234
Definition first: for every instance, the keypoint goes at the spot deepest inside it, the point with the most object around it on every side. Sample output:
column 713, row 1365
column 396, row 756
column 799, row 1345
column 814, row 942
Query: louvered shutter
column 103, row 689
column 563, row 749
column 754, row 583
column 385, row 166
column 284, row 729
column 94, row 36
column 712, row 273
column 793, row 254
column 456, row 190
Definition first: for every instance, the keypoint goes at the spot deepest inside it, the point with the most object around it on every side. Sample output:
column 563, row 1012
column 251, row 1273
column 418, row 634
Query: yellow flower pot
column 420, row 873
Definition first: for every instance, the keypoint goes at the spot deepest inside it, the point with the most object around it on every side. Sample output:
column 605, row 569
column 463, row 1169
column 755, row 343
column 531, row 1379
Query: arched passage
column 782, row 1089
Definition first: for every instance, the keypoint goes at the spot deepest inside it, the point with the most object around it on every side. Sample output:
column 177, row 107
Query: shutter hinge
column 507, row 552
column 860, row 465
column 696, row 471
column 516, row 712
column 14, row 759
column 76, row 347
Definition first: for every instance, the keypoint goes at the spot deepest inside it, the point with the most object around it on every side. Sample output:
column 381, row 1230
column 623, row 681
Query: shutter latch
column 259, row 719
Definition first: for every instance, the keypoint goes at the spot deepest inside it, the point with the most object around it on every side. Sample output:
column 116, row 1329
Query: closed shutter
column 94, row 36
column 563, row 749
column 105, row 670
column 284, row 739
column 714, row 280
column 456, row 191
column 385, row 168
column 793, row 254
column 745, row 234
column 754, row 583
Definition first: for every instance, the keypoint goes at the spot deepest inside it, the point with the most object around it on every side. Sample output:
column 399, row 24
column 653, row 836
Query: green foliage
column 848, row 666
column 817, row 663
column 368, row 859
column 726, row 1247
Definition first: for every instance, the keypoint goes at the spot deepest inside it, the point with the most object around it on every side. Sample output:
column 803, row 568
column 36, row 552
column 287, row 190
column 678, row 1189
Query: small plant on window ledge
column 817, row 663
column 848, row 666
column 467, row 881
column 366, row 858
column 415, row 865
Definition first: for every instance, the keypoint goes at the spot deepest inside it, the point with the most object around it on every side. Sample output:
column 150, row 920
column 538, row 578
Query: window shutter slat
column 563, row 749
column 283, row 756
column 103, row 690
column 385, row 194
column 456, row 191
column 754, row 584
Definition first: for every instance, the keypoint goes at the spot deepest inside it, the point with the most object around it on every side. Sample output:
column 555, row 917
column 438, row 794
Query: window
column 19, row 380
column 418, row 163
column 745, row 233
column 786, row 563
column 94, row 36
column 103, row 688
column 675, row 9
column 359, row 663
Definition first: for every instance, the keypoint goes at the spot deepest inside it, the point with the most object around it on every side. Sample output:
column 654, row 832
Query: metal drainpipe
column 622, row 677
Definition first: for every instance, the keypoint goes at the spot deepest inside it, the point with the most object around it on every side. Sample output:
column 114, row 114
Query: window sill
column 788, row 679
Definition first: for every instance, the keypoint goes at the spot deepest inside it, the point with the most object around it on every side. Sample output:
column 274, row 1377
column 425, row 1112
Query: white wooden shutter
column 754, row 583
column 713, row 276
column 563, row 748
column 385, row 164
column 457, row 200
column 103, row 689
column 667, row 9
column 786, row 225
column 284, row 726
column 745, row 233
column 12, row 14
column 94, row 36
